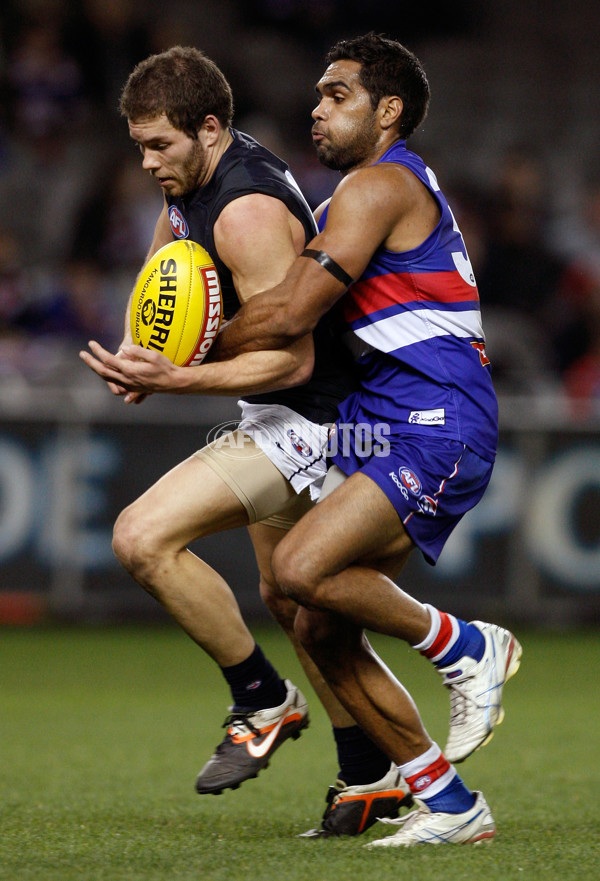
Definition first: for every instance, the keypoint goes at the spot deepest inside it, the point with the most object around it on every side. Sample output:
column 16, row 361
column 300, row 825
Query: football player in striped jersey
column 412, row 450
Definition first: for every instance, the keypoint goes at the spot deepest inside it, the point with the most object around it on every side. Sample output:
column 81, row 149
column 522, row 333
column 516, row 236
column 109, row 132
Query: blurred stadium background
column 514, row 137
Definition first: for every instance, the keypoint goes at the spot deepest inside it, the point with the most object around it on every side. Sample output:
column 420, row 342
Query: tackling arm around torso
column 383, row 205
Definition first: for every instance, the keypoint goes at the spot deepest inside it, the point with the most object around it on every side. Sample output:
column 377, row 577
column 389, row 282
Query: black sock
column 254, row 683
column 361, row 761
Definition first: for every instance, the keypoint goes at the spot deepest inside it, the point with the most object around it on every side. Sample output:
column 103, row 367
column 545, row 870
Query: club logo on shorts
column 428, row 505
column 298, row 444
column 410, row 481
column 178, row 224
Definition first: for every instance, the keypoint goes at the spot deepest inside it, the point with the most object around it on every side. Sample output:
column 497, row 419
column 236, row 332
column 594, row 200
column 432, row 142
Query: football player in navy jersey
column 390, row 250
column 225, row 191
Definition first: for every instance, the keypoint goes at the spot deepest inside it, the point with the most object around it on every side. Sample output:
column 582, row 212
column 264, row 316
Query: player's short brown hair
column 181, row 83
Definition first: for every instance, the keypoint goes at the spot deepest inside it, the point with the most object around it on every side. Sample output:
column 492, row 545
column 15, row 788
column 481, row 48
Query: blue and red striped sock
column 450, row 639
column 431, row 778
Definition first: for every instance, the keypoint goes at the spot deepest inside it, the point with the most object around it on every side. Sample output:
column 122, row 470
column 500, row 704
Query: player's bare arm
column 382, row 205
column 258, row 239
column 141, row 371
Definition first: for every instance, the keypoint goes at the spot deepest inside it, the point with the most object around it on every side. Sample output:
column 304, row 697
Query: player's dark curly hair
column 184, row 84
column 388, row 68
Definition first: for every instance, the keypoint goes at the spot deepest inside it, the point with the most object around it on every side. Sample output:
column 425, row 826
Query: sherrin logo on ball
column 177, row 305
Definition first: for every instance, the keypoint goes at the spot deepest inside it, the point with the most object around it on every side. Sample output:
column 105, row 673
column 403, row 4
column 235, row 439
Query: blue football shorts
column 431, row 482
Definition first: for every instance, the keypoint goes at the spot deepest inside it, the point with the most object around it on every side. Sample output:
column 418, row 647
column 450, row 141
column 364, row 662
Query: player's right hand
column 129, row 397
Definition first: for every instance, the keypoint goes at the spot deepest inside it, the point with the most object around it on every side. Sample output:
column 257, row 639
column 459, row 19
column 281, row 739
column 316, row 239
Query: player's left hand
column 140, row 371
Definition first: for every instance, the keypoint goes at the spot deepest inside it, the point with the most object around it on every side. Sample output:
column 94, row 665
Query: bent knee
column 134, row 543
column 295, row 574
column 124, row 538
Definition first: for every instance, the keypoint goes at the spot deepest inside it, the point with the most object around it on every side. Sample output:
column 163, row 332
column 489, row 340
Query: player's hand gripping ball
column 177, row 304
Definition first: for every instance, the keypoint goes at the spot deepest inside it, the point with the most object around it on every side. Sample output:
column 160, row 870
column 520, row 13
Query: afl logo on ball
column 178, row 224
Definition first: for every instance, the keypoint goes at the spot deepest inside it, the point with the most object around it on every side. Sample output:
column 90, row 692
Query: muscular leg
column 314, row 565
column 265, row 539
column 151, row 538
column 364, row 684
column 329, row 564
column 370, row 789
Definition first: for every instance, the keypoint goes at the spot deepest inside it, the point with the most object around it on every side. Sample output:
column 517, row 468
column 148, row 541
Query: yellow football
column 177, row 305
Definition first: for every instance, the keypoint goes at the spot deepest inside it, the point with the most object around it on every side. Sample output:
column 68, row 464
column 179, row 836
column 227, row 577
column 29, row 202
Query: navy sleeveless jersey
column 247, row 167
column 413, row 322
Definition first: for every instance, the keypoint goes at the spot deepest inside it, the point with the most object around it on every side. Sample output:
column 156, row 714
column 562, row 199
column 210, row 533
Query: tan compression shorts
column 265, row 493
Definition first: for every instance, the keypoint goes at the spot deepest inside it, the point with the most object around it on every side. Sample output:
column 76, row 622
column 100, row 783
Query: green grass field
column 102, row 733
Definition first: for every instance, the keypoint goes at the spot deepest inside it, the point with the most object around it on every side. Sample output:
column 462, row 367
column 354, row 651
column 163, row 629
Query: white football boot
column 476, row 691
column 474, row 826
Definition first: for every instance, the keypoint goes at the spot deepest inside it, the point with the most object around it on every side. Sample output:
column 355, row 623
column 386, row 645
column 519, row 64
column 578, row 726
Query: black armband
column 330, row 265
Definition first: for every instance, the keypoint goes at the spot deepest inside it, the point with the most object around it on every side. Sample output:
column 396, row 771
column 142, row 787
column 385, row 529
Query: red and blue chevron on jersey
column 413, row 322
